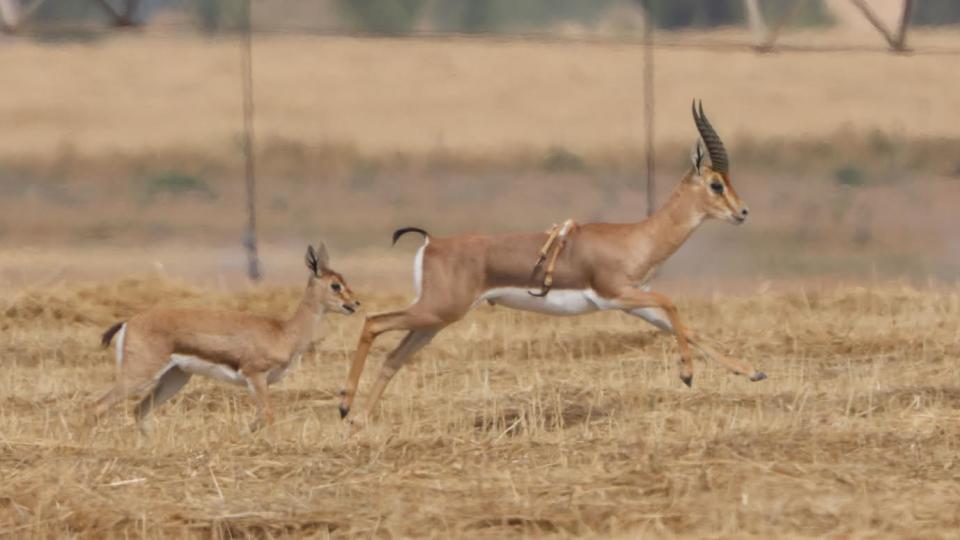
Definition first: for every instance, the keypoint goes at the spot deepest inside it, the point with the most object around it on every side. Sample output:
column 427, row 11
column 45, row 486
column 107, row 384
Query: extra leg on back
column 556, row 241
column 658, row 318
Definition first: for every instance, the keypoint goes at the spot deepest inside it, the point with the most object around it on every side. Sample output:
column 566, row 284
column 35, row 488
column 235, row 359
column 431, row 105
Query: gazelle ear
column 697, row 154
column 311, row 260
column 323, row 260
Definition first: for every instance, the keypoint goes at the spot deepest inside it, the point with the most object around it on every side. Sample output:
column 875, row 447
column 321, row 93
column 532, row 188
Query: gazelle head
column 327, row 288
column 712, row 182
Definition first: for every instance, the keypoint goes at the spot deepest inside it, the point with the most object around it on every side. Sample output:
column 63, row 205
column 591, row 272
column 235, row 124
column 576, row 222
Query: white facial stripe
column 556, row 302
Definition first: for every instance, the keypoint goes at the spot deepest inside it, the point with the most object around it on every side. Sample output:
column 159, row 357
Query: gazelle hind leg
column 408, row 319
column 136, row 377
column 657, row 318
column 171, row 382
column 410, row 345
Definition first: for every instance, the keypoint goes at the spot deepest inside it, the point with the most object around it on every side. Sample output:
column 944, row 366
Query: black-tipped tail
column 108, row 335
column 400, row 232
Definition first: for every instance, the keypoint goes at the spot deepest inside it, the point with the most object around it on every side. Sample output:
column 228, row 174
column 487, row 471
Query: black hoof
column 758, row 376
column 687, row 380
column 343, row 411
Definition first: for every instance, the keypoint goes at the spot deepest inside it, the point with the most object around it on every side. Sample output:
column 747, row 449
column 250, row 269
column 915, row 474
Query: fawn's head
column 327, row 288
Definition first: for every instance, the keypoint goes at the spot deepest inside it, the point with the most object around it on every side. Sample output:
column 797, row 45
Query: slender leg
column 374, row 326
column 258, row 385
column 632, row 299
column 657, row 318
column 130, row 384
column 411, row 343
column 167, row 386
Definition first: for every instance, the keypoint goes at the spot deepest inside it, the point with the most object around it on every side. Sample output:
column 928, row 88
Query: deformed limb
column 556, row 241
column 171, row 382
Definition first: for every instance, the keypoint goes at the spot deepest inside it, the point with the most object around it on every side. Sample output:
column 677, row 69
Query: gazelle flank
column 158, row 350
column 593, row 267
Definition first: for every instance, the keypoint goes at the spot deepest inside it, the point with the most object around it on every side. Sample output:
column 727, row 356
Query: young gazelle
column 159, row 349
column 593, row 267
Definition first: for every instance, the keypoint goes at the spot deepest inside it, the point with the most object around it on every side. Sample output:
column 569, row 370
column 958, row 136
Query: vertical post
column 250, row 236
column 9, row 14
column 904, row 25
column 648, row 110
column 897, row 42
column 755, row 19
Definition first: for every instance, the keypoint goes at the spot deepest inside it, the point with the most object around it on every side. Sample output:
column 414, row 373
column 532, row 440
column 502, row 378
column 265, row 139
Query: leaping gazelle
column 593, row 267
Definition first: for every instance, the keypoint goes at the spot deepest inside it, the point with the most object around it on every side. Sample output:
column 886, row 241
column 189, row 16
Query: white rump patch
column 556, row 302
column 119, row 350
column 418, row 271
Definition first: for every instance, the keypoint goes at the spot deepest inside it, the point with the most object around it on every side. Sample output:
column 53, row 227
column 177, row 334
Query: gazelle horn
column 718, row 154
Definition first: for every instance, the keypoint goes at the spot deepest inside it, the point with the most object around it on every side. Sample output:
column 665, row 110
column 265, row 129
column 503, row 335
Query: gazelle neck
column 671, row 225
column 302, row 325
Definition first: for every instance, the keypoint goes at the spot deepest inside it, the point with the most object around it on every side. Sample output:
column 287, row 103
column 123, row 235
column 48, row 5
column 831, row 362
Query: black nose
column 744, row 212
column 356, row 303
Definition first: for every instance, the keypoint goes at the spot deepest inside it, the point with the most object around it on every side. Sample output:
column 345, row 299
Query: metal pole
column 648, row 114
column 250, row 237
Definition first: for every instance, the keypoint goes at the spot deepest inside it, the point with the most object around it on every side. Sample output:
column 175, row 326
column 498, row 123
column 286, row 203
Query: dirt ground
column 509, row 424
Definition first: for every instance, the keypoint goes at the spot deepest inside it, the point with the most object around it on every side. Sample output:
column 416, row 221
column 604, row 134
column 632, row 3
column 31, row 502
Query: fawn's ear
column 311, row 261
column 323, row 260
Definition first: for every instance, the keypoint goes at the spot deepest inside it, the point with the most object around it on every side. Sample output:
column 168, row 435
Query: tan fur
column 612, row 261
column 258, row 348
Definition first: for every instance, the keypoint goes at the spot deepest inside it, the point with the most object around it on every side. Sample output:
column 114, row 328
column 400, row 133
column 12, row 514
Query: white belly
column 556, row 302
column 198, row 366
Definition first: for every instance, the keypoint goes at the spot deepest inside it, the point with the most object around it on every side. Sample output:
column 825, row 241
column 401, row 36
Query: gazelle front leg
column 375, row 325
column 634, row 299
column 657, row 318
column 258, row 386
column 411, row 343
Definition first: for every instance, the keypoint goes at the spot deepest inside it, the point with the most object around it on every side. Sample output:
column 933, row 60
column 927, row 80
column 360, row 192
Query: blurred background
column 123, row 134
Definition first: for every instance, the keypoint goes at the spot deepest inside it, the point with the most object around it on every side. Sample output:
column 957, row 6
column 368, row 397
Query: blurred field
column 153, row 92
column 509, row 424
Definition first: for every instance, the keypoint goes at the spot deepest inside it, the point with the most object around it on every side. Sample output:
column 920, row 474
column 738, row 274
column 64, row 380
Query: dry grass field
column 120, row 158
column 510, row 424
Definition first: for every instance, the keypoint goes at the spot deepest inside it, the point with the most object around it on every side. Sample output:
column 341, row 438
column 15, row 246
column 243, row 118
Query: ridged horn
column 718, row 154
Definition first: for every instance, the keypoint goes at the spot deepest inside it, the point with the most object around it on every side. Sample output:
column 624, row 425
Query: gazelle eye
column 717, row 187
column 335, row 287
